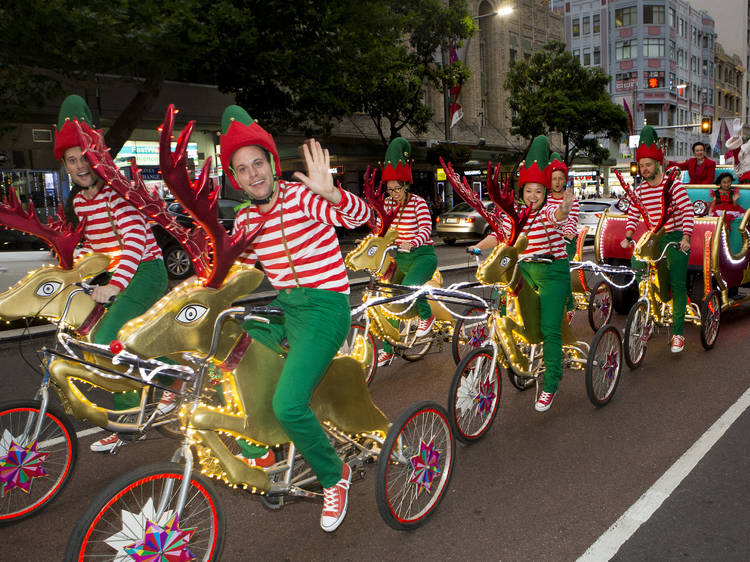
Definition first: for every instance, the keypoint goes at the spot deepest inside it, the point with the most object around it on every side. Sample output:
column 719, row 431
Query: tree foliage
column 294, row 64
column 552, row 92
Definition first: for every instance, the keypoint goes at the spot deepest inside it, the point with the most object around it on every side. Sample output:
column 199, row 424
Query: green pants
column 677, row 261
column 146, row 287
column 552, row 280
column 414, row 268
column 315, row 323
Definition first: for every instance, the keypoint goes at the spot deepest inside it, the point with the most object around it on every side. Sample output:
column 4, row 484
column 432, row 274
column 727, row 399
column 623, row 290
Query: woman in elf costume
column 543, row 230
column 300, row 254
column 116, row 228
column 416, row 258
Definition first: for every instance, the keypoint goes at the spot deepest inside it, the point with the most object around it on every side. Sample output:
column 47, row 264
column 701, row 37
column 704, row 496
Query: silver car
column 592, row 209
column 462, row 222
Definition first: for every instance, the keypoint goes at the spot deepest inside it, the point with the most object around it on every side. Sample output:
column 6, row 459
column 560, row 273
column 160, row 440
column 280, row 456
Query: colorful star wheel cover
column 484, row 397
column 425, row 466
column 163, row 544
column 610, row 365
column 20, row 465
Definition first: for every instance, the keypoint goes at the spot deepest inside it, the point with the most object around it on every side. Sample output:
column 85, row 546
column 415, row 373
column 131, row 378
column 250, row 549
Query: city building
column 729, row 77
column 660, row 54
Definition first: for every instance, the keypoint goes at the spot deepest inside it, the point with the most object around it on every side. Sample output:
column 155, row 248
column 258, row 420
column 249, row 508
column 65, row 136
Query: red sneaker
column 425, row 326
column 266, row 461
column 335, row 500
column 384, row 358
column 167, row 403
column 107, row 444
column 544, row 401
column 678, row 344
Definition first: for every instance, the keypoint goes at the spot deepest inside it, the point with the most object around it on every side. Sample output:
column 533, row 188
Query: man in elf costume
column 114, row 227
column 416, row 258
column 544, row 231
column 299, row 251
column 679, row 227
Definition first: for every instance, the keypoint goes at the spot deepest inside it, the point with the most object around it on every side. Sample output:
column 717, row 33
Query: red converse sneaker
column 107, row 444
column 266, row 461
column 335, row 500
column 544, row 401
column 384, row 358
column 167, row 403
column 678, row 343
column 425, row 326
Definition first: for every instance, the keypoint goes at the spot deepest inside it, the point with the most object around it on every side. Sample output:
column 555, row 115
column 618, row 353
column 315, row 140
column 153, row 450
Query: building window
column 587, row 57
column 672, row 48
column 652, row 114
column 705, row 68
column 672, row 18
column 625, row 50
column 694, row 35
column 653, row 15
column 682, row 28
column 576, row 27
column 626, row 16
column 681, row 58
column 595, row 22
column 693, row 64
column 597, row 56
column 672, row 81
column 577, row 54
column 626, row 81
column 586, row 25
column 653, row 47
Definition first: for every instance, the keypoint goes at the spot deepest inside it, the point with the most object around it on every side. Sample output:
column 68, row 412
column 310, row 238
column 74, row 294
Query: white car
column 592, row 209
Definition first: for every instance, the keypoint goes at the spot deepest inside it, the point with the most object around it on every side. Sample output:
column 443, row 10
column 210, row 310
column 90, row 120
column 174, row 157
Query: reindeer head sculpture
column 371, row 253
column 44, row 292
column 183, row 319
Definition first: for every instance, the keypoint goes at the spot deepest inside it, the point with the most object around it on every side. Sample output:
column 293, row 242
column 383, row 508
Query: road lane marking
column 607, row 545
column 58, row 440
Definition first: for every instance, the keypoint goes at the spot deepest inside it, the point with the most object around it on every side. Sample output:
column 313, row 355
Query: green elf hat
column 558, row 164
column 397, row 165
column 648, row 146
column 238, row 130
column 73, row 108
column 536, row 167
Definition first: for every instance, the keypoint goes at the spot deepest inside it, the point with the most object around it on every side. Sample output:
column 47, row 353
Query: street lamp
column 501, row 12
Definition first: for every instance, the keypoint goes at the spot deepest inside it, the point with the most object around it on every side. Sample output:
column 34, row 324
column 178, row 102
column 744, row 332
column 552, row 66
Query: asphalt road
column 537, row 487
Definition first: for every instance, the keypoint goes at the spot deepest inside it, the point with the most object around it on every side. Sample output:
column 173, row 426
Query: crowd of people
column 299, row 252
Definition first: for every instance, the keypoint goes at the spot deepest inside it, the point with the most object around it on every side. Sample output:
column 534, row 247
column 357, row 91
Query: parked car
column 176, row 258
column 592, row 209
column 462, row 222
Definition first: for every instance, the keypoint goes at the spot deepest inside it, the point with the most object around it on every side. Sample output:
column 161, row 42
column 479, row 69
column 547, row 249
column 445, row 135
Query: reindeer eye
column 504, row 261
column 191, row 313
column 371, row 251
column 48, row 289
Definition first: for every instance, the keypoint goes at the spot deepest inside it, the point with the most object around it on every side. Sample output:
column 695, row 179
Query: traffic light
column 706, row 126
column 633, row 169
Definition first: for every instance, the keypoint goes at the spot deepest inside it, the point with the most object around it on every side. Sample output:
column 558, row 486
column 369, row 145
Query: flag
column 455, row 108
column 630, row 115
column 720, row 136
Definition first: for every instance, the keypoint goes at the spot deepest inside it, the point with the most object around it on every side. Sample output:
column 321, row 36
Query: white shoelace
column 331, row 496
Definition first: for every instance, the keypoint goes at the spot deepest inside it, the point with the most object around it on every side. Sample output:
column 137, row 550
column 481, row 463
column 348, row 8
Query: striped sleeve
column 570, row 228
column 350, row 212
column 424, row 223
column 633, row 215
column 683, row 208
column 247, row 257
column 131, row 227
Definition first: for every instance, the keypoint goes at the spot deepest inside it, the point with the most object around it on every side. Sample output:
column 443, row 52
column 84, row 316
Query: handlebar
column 89, row 289
column 537, row 258
column 474, row 251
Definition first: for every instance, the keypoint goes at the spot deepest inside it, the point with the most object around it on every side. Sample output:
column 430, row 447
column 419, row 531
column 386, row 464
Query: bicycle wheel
column 415, row 466
column 136, row 516
column 600, row 306
column 33, row 473
column 638, row 329
column 469, row 333
column 474, row 397
column 604, row 366
column 361, row 346
column 710, row 319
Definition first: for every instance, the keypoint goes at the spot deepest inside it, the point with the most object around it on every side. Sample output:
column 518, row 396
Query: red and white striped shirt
column 543, row 231
column 413, row 221
column 308, row 221
column 570, row 228
column 650, row 196
column 109, row 216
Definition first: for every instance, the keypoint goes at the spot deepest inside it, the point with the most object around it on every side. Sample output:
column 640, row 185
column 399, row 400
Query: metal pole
column 446, row 98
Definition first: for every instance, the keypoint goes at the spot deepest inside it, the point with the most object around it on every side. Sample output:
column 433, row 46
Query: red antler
column 504, row 198
column 376, row 199
column 634, row 199
column 148, row 202
column 61, row 236
column 200, row 200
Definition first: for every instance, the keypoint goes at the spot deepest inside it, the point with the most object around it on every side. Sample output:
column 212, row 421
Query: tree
column 552, row 92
